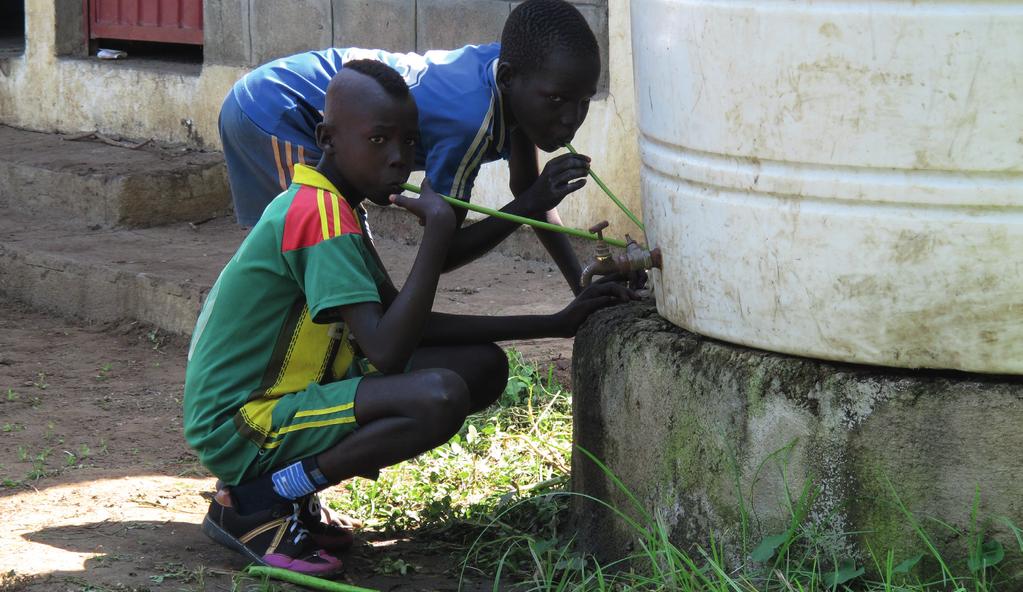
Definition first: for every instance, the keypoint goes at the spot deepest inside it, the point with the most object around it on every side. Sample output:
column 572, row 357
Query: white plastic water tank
column 837, row 179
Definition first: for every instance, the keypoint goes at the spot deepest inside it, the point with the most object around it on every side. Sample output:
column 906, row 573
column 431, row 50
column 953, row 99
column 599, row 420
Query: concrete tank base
column 697, row 429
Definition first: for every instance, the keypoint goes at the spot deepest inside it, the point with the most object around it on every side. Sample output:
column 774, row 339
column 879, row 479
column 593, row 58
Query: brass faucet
column 635, row 258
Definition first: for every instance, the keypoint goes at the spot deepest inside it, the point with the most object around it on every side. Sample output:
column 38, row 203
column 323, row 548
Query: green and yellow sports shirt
column 255, row 339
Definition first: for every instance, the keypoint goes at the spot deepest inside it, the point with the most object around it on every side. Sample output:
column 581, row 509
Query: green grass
column 496, row 496
column 506, row 457
column 519, row 447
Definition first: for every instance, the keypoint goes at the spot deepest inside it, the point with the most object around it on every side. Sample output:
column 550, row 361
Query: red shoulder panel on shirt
column 316, row 215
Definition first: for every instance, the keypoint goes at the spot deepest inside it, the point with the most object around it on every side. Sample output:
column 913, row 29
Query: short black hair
column 386, row 76
column 536, row 28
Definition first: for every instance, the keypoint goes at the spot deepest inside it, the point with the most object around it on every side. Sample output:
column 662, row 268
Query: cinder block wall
column 252, row 32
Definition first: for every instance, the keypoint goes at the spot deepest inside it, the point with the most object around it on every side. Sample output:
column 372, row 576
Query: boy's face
column 551, row 103
column 369, row 136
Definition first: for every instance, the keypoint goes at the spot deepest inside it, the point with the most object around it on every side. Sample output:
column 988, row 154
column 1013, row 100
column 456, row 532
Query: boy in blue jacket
column 476, row 104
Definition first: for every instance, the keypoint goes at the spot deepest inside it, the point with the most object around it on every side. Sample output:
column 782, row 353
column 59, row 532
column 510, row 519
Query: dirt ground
column 98, row 489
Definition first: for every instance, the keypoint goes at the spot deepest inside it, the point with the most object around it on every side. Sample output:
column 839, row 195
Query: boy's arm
column 534, row 196
column 388, row 337
column 560, row 249
column 524, row 168
column 449, row 329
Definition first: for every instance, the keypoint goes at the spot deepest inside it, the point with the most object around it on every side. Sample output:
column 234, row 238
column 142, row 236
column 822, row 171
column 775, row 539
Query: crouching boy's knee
column 445, row 398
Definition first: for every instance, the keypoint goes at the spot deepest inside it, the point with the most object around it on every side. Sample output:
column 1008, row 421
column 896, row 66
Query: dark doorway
column 12, row 28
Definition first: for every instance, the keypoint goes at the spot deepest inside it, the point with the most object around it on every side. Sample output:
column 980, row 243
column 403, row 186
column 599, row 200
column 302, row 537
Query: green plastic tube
column 311, row 582
column 520, row 219
column 611, row 194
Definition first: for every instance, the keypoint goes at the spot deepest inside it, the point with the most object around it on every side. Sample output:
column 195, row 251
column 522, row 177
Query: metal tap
column 635, row 258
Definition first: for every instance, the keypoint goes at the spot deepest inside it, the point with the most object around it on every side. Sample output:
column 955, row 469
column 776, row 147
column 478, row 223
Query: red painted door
column 166, row 21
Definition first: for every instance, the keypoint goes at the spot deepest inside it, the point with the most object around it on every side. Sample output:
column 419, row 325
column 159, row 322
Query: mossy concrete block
column 709, row 436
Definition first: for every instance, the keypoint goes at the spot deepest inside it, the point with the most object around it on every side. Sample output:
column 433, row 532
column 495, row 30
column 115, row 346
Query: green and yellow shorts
column 272, row 432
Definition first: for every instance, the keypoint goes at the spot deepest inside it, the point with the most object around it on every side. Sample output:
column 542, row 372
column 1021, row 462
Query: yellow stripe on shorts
column 276, row 436
column 327, row 411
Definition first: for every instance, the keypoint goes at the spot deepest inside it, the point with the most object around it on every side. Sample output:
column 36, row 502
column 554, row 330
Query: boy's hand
column 590, row 300
column 636, row 280
column 560, row 176
column 430, row 208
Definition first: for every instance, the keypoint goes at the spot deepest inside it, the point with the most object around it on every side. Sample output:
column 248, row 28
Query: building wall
column 55, row 86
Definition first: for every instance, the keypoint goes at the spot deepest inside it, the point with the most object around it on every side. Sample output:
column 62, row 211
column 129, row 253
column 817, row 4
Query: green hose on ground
column 312, row 582
column 520, row 219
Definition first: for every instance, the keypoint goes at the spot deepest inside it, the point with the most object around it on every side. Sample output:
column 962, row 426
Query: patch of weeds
column 102, row 445
column 39, row 465
column 104, row 371
column 156, row 339
column 40, row 381
column 12, row 427
column 37, row 473
column 74, row 458
column 109, row 558
column 22, row 453
column 11, row 581
column 43, row 455
column 93, row 587
column 198, row 578
column 177, row 571
column 244, row 583
column 11, row 395
column 7, row 483
column 392, row 566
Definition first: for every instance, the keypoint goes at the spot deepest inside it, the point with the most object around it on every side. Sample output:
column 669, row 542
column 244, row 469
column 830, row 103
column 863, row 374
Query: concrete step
column 159, row 275
column 92, row 183
column 154, row 275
